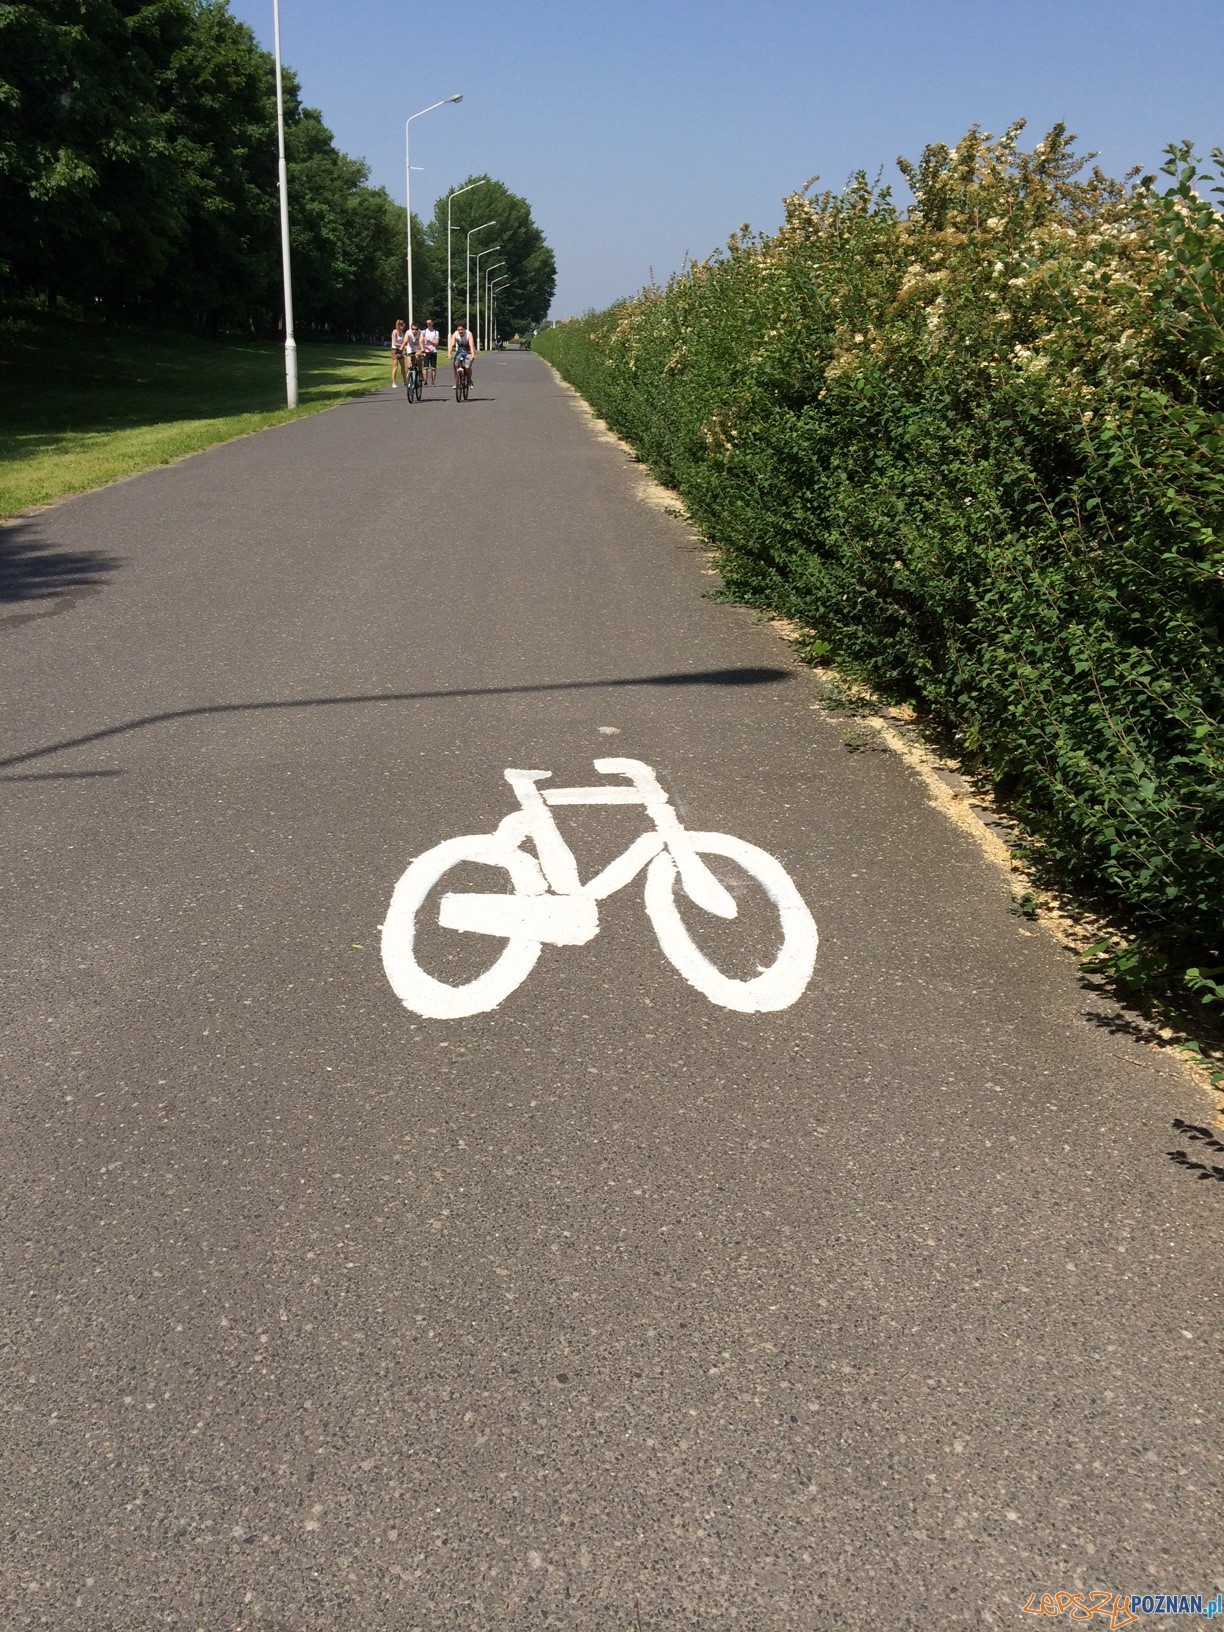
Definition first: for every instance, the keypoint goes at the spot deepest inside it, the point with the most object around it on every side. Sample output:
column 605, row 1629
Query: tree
column 89, row 190
column 530, row 264
column 138, row 175
column 225, row 266
column 348, row 239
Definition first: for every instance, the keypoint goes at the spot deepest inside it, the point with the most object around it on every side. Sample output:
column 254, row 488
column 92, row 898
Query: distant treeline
column 976, row 448
column 138, row 180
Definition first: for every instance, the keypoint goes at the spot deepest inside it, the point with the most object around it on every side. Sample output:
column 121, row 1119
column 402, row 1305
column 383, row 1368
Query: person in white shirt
column 432, row 339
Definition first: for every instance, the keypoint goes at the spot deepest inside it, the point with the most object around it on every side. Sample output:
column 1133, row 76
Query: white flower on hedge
column 1024, row 357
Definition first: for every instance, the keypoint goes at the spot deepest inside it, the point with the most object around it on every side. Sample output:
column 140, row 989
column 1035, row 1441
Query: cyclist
column 414, row 346
column 431, row 337
column 398, row 366
column 462, row 349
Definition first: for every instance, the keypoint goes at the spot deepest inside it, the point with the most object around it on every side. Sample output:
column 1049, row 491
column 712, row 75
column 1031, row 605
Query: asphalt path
column 610, row 1307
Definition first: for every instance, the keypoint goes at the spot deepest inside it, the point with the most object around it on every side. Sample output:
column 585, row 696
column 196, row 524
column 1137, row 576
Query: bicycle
column 548, row 903
column 463, row 381
column 414, row 383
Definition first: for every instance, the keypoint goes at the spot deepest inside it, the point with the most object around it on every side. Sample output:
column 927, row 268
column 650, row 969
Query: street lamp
column 467, row 274
column 484, row 307
column 493, row 294
column 480, row 257
column 408, row 183
column 449, row 230
column 291, row 383
column 500, row 284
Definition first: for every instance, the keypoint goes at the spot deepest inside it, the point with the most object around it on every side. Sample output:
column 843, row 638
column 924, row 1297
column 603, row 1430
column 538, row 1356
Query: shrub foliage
column 978, row 448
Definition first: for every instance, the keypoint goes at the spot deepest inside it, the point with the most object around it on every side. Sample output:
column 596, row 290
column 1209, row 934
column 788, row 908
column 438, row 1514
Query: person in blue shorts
column 462, row 348
column 414, row 349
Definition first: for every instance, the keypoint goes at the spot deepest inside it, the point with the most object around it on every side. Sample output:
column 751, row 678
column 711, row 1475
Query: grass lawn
column 80, row 407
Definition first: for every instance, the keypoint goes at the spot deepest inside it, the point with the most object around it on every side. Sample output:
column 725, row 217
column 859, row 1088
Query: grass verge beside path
column 81, row 407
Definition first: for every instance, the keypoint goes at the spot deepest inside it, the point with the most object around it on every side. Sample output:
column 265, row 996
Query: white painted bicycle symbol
column 549, row 904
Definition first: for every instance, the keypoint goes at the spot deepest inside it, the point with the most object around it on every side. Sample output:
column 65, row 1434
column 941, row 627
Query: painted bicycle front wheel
column 779, row 985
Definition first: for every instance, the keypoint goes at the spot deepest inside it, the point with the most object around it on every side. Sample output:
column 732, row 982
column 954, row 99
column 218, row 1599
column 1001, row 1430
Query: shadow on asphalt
column 53, row 580
column 384, row 395
column 1196, row 1134
column 57, row 776
column 744, row 676
column 1117, row 1022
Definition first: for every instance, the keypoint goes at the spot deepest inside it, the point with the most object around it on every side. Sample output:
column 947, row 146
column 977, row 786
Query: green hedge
column 978, row 448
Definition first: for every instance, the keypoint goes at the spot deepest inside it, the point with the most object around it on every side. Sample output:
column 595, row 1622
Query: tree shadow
column 1119, row 1022
column 36, row 575
column 1193, row 1133
column 146, row 377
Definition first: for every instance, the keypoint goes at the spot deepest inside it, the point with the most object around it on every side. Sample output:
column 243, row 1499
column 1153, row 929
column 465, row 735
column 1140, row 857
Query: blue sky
column 644, row 130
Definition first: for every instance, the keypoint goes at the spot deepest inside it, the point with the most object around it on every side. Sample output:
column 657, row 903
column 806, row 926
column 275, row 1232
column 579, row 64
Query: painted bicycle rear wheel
column 422, row 992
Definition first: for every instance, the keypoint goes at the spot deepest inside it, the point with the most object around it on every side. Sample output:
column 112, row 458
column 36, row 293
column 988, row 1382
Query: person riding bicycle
column 398, row 362
column 462, row 349
column 414, row 347
column 432, row 339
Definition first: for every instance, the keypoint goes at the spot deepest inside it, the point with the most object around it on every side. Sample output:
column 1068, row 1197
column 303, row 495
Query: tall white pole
column 408, row 211
column 497, row 267
column 500, row 284
column 484, row 310
column 408, row 183
column 450, row 328
column 467, row 279
column 479, row 306
column 291, row 379
column 493, row 294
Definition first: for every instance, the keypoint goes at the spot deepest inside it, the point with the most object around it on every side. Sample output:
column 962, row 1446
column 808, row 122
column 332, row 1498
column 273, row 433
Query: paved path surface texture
column 611, row 1306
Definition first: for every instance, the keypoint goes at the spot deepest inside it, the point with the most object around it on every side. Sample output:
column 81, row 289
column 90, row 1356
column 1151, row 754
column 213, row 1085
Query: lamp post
column 479, row 308
column 467, row 276
column 500, row 284
column 489, row 271
column 449, row 230
column 291, row 382
column 408, row 183
column 493, row 294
